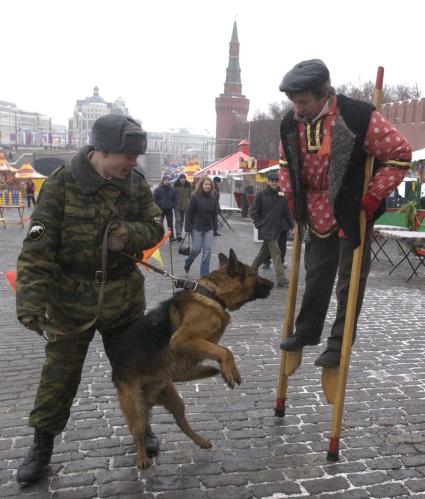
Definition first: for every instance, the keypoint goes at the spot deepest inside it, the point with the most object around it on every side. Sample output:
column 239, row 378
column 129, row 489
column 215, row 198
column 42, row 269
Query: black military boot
column 38, row 457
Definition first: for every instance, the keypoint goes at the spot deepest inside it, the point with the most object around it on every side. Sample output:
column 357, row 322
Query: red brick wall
column 409, row 118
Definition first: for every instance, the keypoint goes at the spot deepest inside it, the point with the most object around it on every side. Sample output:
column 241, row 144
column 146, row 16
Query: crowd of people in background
column 192, row 213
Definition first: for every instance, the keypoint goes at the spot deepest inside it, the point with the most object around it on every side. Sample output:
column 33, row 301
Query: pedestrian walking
column 201, row 223
column 166, row 198
column 326, row 139
column 270, row 215
column 72, row 278
column 30, row 191
column 184, row 190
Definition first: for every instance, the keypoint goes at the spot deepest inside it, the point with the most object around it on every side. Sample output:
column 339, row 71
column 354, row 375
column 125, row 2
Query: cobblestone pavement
column 255, row 454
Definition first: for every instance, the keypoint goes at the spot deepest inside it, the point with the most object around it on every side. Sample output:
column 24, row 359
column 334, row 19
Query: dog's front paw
column 229, row 379
column 236, row 375
column 230, row 375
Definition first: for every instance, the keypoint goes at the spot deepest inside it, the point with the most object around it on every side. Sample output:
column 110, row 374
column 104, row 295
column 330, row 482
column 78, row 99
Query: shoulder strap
column 113, row 207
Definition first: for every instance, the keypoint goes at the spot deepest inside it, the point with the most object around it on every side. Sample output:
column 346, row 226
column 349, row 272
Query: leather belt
column 99, row 276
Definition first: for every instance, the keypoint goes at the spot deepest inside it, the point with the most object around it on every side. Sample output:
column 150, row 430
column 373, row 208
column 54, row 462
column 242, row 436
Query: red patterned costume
column 382, row 141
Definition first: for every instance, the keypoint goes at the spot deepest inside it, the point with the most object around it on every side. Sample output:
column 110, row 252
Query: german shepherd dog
column 171, row 341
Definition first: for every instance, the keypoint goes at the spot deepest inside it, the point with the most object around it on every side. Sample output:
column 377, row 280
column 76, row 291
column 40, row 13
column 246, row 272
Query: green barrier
column 396, row 219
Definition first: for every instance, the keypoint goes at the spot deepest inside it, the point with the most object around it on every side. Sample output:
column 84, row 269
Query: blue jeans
column 201, row 240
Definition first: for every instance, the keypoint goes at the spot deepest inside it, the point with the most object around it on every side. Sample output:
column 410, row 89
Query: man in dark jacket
column 270, row 214
column 166, row 198
column 325, row 140
column 183, row 190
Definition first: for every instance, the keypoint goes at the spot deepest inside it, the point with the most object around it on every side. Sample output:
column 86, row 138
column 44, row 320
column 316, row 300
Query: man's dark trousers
column 323, row 258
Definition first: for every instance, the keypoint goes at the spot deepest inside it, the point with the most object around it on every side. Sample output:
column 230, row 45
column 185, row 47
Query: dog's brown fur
column 171, row 341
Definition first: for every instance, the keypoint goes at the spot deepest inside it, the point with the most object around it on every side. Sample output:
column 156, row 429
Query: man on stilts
column 325, row 140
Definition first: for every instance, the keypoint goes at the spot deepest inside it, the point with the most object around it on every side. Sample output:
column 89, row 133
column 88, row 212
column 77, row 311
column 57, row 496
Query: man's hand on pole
column 370, row 203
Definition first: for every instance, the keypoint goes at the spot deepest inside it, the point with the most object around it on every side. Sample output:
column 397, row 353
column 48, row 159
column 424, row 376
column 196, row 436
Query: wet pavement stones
column 254, row 454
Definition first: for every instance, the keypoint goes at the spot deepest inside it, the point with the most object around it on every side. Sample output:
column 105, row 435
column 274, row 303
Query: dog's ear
column 232, row 255
column 222, row 259
column 234, row 266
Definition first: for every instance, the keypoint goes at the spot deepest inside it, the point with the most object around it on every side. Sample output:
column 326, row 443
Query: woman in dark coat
column 201, row 223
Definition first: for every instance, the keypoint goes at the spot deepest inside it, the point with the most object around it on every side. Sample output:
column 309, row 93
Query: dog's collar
column 202, row 290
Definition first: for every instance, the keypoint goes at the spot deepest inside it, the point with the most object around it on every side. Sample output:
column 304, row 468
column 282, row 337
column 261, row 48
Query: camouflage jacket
column 65, row 236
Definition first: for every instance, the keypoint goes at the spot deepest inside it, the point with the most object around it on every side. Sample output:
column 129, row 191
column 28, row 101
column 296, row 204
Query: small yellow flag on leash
column 154, row 251
column 157, row 256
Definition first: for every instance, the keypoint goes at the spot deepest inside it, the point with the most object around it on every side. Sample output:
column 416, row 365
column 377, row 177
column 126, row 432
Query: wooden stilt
column 334, row 380
column 289, row 361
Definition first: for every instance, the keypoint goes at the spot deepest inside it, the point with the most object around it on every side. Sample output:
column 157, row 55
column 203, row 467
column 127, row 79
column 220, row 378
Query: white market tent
column 269, row 168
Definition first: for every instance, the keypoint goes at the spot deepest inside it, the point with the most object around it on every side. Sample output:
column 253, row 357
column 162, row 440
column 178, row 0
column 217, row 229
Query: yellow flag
column 157, row 256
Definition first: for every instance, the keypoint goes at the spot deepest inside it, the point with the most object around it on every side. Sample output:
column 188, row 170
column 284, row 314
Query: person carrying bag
column 185, row 250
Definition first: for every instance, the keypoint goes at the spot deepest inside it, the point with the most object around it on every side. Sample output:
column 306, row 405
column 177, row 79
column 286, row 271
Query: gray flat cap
column 305, row 76
column 118, row 134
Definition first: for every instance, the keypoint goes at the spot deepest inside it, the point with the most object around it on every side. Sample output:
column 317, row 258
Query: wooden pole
column 350, row 314
column 289, row 361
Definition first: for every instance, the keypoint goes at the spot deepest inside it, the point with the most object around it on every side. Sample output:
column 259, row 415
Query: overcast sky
column 167, row 58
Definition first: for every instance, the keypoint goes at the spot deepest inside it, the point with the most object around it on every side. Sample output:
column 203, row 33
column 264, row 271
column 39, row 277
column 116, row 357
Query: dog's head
column 238, row 283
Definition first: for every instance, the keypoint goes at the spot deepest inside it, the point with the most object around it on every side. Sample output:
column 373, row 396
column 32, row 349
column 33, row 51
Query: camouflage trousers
column 61, row 375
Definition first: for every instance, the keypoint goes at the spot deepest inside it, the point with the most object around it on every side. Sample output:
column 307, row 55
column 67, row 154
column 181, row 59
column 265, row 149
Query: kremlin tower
column 231, row 106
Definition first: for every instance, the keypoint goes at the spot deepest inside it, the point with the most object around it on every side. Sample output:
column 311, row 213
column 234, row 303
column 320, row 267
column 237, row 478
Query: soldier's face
column 306, row 105
column 118, row 165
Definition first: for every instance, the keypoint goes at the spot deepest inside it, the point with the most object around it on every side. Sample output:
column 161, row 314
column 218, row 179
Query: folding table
column 224, row 215
column 381, row 242
column 414, row 240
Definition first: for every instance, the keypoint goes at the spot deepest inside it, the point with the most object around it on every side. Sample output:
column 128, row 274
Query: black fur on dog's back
column 143, row 340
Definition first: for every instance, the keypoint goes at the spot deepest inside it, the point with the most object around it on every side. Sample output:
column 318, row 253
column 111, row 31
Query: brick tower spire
column 231, row 106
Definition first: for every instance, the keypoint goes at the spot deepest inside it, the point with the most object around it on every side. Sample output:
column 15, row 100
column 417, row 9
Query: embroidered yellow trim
column 316, row 146
column 326, row 234
column 397, row 164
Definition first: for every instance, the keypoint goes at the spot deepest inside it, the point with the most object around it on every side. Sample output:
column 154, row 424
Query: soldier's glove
column 117, row 237
column 370, row 204
column 33, row 322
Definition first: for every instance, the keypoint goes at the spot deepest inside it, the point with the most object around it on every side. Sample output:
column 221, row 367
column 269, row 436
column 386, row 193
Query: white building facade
column 19, row 128
column 86, row 112
column 182, row 144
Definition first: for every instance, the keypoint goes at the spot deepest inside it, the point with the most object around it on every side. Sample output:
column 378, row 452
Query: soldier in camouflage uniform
column 73, row 277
